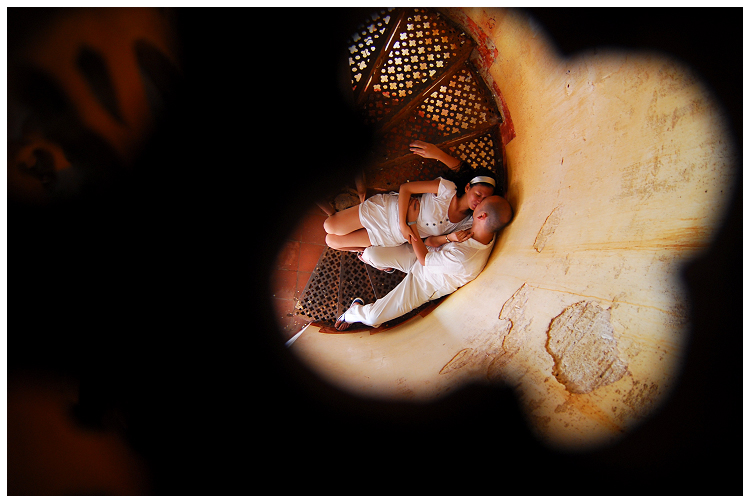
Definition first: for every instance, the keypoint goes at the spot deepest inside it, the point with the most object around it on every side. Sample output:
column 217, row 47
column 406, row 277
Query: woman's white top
column 379, row 216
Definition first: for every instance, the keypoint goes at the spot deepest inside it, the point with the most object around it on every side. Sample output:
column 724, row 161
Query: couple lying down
column 441, row 239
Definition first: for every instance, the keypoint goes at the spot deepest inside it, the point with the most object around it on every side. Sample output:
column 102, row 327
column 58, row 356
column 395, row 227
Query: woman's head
column 476, row 185
column 477, row 193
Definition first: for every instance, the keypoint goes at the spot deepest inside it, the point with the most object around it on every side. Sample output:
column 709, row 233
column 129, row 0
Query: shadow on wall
column 516, row 196
column 152, row 292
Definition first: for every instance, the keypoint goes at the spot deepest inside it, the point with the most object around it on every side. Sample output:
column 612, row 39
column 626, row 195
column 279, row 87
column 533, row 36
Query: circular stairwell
column 412, row 78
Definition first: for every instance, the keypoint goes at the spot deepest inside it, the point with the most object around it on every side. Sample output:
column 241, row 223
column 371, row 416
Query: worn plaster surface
column 619, row 172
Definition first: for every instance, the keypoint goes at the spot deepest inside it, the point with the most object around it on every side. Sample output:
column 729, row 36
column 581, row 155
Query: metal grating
column 458, row 106
column 415, row 169
column 461, row 105
column 395, row 143
column 338, row 278
column 320, row 298
column 354, row 282
column 479, row 152
column 420, row 52
column 363, row 42
column 383, row 282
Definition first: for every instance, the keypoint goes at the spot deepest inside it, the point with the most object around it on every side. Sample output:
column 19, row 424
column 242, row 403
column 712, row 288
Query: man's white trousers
column 411, row 293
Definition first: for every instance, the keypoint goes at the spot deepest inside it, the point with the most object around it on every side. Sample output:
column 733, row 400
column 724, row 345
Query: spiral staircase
column 412, row 78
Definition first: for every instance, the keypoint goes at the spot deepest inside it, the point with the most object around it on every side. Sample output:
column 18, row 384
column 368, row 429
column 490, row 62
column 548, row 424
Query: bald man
column 457, row 259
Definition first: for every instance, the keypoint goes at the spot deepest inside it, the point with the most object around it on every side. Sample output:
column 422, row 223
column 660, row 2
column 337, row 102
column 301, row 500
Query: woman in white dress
column 381, row 219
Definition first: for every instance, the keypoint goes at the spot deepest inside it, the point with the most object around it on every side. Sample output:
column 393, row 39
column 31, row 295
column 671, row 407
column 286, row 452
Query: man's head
column 492, row 214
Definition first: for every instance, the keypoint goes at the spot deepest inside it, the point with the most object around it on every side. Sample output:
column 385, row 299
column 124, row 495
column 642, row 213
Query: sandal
column 341, row 324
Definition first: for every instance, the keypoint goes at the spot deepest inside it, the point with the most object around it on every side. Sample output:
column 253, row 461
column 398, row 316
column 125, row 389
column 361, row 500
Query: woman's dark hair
column 464, row 175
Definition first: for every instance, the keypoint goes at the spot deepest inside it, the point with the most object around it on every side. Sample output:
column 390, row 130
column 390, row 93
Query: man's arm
column 419, row 247
column 453, row 237
column 412, row 235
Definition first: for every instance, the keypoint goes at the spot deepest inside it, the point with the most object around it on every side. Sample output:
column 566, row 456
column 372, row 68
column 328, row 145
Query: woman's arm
column 419, row 247
column 430, row 151
column 404, row 196
column 413, row 236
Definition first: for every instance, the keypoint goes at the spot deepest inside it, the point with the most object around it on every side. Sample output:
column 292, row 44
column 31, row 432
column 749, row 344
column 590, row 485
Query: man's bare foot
column 340, row 324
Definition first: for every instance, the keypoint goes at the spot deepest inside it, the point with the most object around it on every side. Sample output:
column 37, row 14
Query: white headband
column 482, row 179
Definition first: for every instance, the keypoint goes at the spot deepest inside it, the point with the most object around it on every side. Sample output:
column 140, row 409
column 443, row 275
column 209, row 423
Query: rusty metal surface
column 458, row 106
column 418, row 54
column 364, row 43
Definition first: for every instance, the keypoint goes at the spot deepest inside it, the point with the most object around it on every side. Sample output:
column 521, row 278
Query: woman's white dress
column 379, row 216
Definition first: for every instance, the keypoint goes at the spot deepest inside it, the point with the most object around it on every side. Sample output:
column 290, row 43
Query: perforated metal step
column 320, row 299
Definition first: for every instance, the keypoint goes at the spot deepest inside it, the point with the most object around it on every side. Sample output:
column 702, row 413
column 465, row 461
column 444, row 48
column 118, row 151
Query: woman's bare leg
column 354, row 241
column 344, row 222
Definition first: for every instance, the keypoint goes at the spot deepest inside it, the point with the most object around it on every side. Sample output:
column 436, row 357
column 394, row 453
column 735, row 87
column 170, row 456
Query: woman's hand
column 460, row 236
column 430, row 151
column 412, row 214
column 424, row 149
